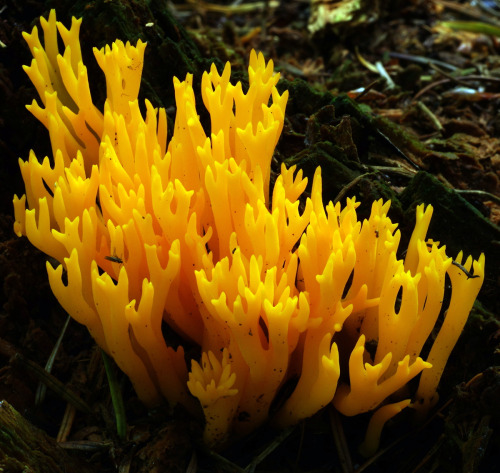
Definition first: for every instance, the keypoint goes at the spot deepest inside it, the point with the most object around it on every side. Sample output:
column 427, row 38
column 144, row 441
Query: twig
column 435, row 448
column 66, row 424
column 86, row 445
column 423, row 60
column 429, row 87
column 434, row 120
column 231, row 9
column 465, row 10
column 458, row 80
column 349, row 186
column 472, row 77
column 482, row 195
column 400, row 171
column 223, row 463
column 368, row 88
column 467, row 273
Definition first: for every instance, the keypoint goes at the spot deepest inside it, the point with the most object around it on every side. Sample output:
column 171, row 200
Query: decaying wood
column 26, row 448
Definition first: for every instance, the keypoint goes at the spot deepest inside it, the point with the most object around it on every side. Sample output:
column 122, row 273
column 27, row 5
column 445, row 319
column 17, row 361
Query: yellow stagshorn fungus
column 187, row 236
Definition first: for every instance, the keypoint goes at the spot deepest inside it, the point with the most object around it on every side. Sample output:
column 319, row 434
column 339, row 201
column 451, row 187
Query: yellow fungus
column 186, row 234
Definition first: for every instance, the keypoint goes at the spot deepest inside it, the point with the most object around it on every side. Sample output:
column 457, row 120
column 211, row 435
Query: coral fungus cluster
column 188, row 238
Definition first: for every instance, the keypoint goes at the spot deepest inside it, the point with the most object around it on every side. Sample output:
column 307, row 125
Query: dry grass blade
column 42, row 388
column 268, row 450
column 340, row 441
column 52, row 383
